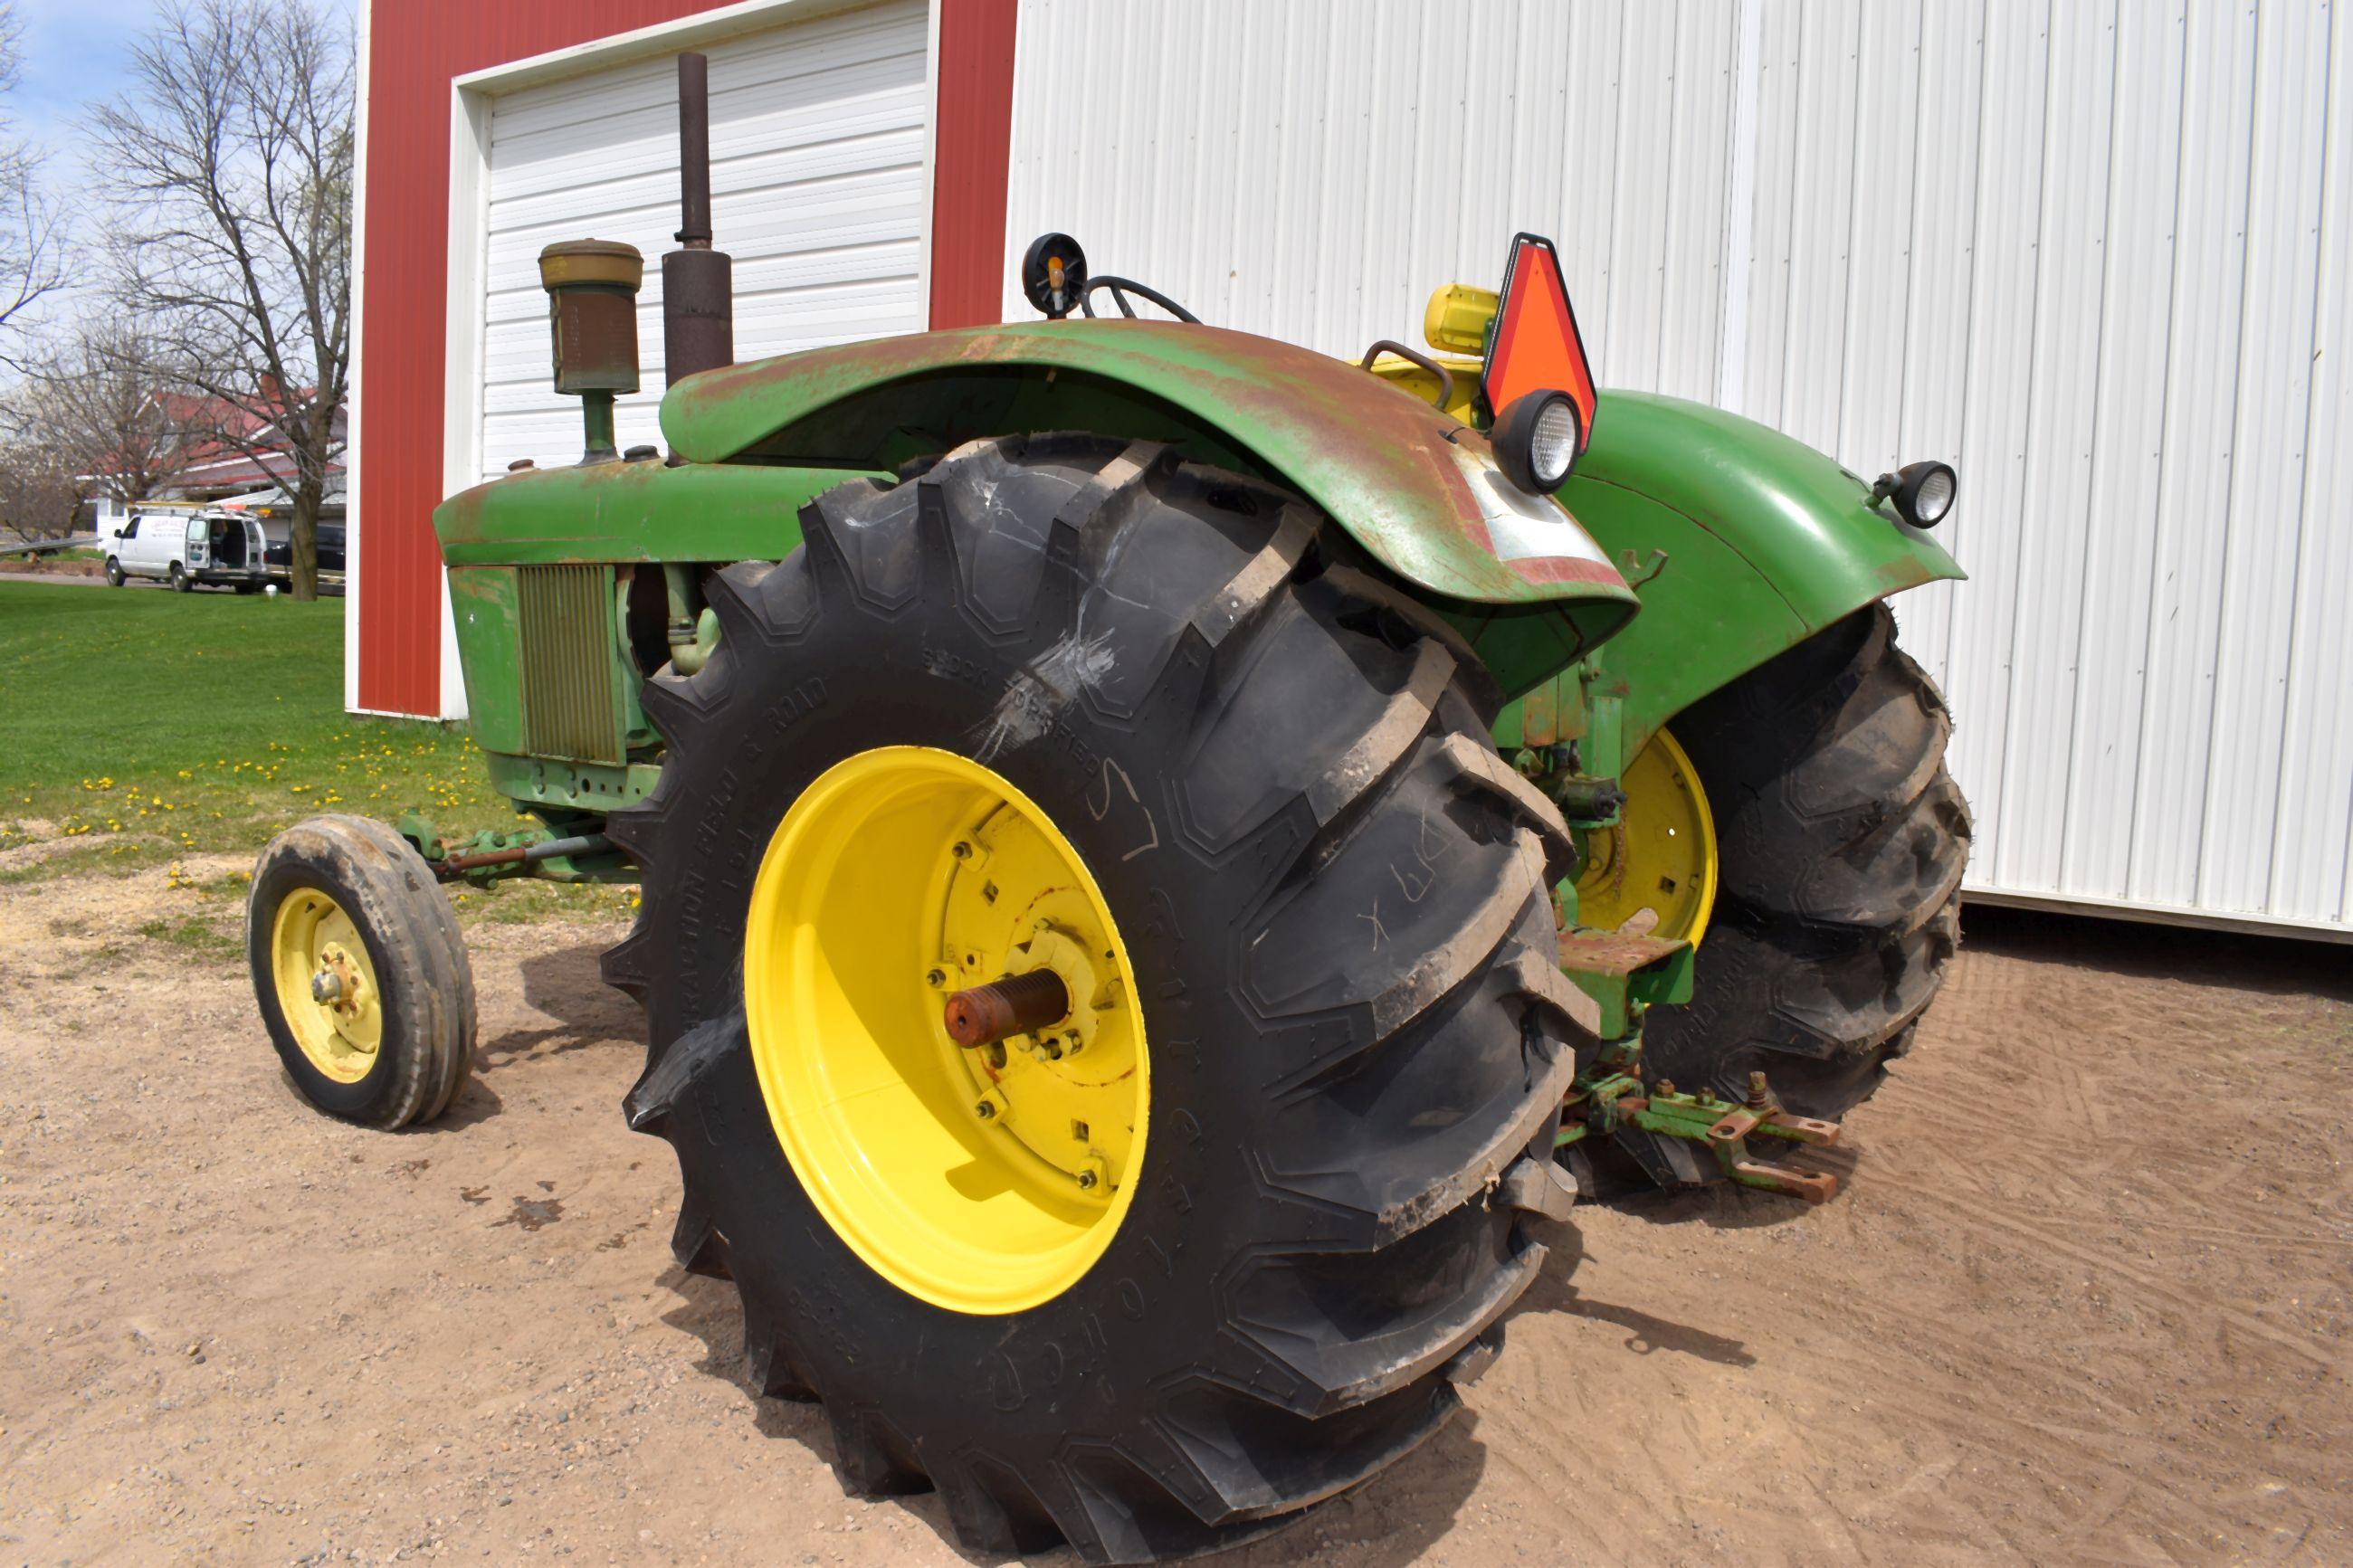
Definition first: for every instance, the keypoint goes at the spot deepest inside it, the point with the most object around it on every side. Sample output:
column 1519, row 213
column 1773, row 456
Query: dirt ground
column 2086, row 1299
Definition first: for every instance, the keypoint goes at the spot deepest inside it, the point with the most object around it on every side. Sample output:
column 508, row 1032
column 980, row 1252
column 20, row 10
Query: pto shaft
column 1016, row 1004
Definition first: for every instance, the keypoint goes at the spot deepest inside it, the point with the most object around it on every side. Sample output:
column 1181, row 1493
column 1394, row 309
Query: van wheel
column 179, row 577
column 113, row 572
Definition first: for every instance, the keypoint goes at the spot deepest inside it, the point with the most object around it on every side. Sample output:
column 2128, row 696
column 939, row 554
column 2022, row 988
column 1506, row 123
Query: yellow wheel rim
column 326, row 985
column 984, row 1180
column 1661, row 854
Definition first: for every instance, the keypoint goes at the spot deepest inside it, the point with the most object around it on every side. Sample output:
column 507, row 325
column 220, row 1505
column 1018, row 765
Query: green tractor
column 1167, row 860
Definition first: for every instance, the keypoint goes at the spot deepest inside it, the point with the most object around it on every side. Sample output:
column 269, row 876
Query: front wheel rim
column 983, row 1180
column 326, row 985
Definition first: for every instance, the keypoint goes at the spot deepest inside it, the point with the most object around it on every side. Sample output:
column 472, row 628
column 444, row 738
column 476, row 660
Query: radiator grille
column 567, row 662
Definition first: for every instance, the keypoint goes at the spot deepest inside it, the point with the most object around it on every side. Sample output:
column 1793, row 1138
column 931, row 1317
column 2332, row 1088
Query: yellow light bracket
column 1458, row 318
column 1536, row 346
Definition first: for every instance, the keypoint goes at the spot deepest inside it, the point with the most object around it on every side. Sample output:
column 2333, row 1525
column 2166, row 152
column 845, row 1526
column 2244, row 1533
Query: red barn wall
column 414, row 49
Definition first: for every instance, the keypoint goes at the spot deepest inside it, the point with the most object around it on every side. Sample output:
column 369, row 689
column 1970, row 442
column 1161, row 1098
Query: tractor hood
column 1418, row 490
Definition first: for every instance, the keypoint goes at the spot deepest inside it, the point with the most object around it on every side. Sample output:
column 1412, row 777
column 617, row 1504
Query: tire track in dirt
column 2015, row 1337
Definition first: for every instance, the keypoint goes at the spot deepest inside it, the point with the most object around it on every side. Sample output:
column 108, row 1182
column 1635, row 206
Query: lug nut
column 1086, row 1181
column 986, row 1111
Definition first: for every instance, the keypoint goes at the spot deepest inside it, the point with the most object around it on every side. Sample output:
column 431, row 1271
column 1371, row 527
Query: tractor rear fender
column 1766, row 543
column 1419, row 490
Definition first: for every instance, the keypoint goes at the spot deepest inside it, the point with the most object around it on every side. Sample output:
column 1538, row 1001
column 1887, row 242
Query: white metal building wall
column 2097, row 252
column 817, row 148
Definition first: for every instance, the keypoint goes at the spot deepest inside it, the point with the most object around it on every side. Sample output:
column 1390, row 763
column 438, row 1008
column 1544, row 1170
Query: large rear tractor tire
column 360, row 972
column 1842, row 840
column 1219, row 1242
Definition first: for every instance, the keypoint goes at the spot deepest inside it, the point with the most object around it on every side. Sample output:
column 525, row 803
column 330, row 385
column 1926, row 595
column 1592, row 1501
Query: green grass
column 199, row 937
column 204, row 723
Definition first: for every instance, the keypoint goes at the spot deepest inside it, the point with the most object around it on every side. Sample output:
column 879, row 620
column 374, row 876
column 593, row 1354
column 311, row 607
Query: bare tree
column 96, row 404
column 230, row 167
column 30, row 263
column 39, row 495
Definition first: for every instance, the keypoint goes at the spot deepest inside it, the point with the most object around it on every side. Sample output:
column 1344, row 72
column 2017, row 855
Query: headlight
column 1535, row 441
column 1923, row 492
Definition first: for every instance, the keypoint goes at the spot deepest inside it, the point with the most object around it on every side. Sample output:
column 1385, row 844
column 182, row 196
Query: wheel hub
column 980, row 1162
column 326, row 985
column 1661, row 853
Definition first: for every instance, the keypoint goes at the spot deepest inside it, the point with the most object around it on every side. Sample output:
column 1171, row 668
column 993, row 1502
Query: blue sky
column 75, row 51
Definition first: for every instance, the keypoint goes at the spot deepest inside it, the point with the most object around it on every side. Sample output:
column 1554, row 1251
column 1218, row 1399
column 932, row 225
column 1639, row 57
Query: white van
column 213, row 546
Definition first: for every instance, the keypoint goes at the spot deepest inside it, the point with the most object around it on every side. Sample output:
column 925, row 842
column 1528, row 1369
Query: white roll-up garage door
column 817, row 141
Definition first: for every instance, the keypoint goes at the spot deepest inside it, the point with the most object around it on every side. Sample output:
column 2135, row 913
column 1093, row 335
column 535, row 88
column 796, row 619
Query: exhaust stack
column 698, row 282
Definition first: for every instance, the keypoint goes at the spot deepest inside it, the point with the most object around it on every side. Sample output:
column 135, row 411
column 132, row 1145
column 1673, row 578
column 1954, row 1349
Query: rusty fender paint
column 1419, row 490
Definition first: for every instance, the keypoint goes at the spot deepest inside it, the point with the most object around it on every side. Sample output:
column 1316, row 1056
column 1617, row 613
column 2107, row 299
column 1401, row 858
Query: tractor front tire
column 360, row 972
column 1841, row 841
column 1066, row 675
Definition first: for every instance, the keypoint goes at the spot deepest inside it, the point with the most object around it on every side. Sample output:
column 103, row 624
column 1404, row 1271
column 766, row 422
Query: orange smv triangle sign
column 1536, row 346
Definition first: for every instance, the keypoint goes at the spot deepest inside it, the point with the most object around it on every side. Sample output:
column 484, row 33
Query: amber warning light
column 1538, row 354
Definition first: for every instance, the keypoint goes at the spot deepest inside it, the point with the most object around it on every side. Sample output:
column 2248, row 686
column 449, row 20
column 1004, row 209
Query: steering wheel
column 1121, row 287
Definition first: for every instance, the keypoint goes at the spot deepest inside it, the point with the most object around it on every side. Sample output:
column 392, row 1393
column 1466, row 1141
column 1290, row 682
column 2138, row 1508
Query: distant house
column 216, row 454
column 217, row 458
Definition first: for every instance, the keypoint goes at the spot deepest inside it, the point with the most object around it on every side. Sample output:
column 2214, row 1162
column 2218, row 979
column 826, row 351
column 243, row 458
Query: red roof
column 213, row 434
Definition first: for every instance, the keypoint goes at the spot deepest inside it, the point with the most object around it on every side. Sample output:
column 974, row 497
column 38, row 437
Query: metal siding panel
column 1580, row 214
column 2266, row 500
column 2062, row 420
column 1974, row 230
column 1315, row 101
column 1441, row 150
column 1822, row 195
column 1345, row 161
column 1488, row 123
column 2312, row 842
column 1628, row 342
column 1778, row 87
column 1691, row 282
column 1330, row 303
column 2111, row 650
column 2002, row 317
column 1249, row 278
column 2194, row 475
column 1871, row 336
column 1937, row 328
